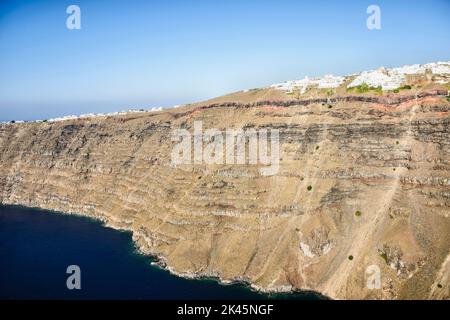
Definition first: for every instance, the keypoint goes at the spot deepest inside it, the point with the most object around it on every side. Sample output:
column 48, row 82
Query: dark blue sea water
column 37, row 246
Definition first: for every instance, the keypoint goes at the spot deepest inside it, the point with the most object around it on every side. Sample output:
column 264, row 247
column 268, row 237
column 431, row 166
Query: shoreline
column 160, row 263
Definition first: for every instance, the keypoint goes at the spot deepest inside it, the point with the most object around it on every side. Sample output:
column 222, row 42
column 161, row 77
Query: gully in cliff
column 235, row 143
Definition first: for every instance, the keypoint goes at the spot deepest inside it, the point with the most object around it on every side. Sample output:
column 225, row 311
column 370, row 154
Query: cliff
column 363, row 186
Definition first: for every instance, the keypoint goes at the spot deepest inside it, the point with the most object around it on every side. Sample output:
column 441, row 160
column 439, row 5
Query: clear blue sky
column 160, row 53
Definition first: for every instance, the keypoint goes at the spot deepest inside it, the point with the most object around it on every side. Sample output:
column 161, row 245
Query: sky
column 146, row 53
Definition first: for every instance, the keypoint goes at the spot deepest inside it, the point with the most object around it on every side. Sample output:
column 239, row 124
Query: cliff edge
column 361, row 194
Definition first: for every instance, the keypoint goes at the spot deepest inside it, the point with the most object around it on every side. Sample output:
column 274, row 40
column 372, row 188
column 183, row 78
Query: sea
column 38, row 246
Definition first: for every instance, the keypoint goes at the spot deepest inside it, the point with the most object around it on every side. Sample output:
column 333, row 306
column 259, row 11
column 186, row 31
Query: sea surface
column 37, row 246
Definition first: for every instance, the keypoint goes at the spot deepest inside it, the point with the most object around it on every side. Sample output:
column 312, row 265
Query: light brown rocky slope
column 384, row 155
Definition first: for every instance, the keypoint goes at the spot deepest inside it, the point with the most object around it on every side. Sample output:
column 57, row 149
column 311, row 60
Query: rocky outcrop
column 362, row 181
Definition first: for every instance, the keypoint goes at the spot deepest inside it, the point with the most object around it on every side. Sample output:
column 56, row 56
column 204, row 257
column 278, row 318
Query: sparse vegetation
column 364, row 88
column 353, row 175
column 405, row 87
column 378, row 89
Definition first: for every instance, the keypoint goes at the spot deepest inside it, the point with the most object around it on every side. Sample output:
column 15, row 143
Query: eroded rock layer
column 363, row 185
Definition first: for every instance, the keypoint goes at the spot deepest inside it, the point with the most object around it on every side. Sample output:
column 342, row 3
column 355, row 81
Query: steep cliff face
column 363, row 186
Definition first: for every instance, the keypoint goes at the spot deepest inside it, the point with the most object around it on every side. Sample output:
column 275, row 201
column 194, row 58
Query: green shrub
column 405, row 87
column 350, row 257
column 358, row 213
column 378, row 89
column 309, row 188
column 362, row 88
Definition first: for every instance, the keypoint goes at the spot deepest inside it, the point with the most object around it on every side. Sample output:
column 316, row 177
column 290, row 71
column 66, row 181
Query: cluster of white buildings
column 379, row 78
column 387, row 79
column 328, row 81
column 93, row 115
